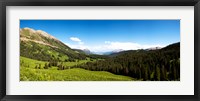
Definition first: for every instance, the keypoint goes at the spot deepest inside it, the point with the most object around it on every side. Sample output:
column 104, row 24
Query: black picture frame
column 4, row 3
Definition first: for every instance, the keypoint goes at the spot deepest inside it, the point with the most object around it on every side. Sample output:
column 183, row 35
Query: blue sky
column 108, row 35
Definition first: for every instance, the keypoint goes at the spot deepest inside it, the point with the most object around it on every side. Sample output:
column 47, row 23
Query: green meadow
column 28, row 72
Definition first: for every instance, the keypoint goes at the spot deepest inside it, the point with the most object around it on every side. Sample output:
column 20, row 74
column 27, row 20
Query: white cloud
column 77, row 46
column 121, row 45
column 75, row 39
column 127, row 46
column 107, row 42
column 81, row 43
column 111, row 46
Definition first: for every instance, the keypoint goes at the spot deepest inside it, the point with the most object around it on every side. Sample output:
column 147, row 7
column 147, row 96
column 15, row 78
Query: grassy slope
column 35, row 50
column 29, row 73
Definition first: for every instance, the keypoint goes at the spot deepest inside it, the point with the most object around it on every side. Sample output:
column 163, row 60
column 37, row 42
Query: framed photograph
column 99, row 50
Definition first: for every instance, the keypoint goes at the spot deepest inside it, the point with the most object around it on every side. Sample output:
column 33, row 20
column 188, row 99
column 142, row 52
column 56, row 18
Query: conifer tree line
column 59, row 66
column 155, row 65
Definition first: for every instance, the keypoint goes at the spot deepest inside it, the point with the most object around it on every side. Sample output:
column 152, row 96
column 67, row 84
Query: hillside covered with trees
column 155, row 65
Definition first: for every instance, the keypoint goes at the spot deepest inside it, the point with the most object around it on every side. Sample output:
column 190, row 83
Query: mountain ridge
column 39, row 45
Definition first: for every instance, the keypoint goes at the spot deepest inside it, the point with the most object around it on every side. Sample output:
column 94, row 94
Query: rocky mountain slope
column 39, row 45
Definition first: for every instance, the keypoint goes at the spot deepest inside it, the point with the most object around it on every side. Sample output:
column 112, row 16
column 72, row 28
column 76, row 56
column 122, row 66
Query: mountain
column 87, row 51
column 113, row 52
column 174, row 46
column 108, row 52
column 39, row 45
column 123, row 52
column 84, row 51
column 153, row 48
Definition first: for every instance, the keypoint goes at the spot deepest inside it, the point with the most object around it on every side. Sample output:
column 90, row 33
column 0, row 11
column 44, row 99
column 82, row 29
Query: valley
column 45, row 58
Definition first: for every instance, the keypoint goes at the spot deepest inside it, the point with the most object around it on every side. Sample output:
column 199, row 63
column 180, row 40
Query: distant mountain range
column 121, row 50
column 108, row 52
column 174, row 46
column 84, row 51
column 87, row 51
